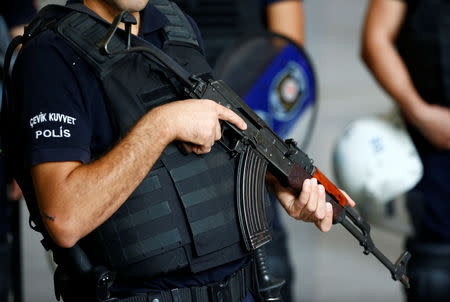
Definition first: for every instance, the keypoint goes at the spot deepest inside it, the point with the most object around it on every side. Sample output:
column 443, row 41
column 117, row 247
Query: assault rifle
column 263, row 150
column 260, row 149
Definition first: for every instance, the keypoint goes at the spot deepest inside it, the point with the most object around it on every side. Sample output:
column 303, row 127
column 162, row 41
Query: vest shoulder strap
column 179, row 28
column 84, row 31
column 47, row 18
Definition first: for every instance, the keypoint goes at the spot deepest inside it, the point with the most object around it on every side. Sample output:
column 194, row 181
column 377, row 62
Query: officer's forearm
column 287, row 18
column 74, row 198
column 390, row 72
column 383, row 23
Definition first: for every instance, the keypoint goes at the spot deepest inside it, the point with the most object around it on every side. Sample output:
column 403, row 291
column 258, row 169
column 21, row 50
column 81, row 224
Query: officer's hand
column 309, row 206
column 198, row 122
column 434, row 123
column 15, row 193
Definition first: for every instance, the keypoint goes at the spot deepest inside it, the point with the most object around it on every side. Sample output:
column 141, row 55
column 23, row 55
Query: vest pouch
column 184, row 54
column 149, row 223
column 148, row 88
column 205, row 185
column 158, row 96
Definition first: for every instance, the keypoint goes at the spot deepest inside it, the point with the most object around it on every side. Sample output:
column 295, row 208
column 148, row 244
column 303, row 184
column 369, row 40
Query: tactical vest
column 222, row 22
column 424, row 44
column 183, row 215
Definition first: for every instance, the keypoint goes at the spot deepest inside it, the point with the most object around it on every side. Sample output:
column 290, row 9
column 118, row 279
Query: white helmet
column 375, row 161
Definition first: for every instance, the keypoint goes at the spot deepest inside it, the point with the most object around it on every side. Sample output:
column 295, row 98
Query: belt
column 233, row 289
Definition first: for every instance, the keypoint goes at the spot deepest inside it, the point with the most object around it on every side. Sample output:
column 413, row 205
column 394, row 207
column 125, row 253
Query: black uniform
column 424, row 44
column 12, row 13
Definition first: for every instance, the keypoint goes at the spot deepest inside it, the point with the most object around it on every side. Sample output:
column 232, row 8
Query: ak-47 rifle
column 260, row 149
column 263, row 150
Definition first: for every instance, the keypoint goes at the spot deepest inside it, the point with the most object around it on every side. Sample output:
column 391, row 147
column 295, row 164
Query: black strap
column 233, row 289
column 43, row 21
column 8, row 56
column 179, row 28
column 80, row 41
column 149, row 48
column 4, row 116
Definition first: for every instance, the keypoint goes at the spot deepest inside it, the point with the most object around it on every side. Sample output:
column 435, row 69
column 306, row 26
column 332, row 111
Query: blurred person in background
column 13, row 17
column 17, row 14
column 222, row 24
column 406, row 46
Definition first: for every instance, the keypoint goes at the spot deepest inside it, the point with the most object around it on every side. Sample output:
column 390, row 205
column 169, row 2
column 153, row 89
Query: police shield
column 276, row 78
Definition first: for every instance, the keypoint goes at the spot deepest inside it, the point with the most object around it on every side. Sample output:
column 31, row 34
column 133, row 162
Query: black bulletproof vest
column 183, row 214
column 221, row 22
column 424, row 44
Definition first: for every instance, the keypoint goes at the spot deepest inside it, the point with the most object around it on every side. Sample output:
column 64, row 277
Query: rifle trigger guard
column 233, row 142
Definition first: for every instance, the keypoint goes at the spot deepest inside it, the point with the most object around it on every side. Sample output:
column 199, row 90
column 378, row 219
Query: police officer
column 17, row 14
column 13, row 16
column 406, row 46
column 98, row 157
column 241, row 18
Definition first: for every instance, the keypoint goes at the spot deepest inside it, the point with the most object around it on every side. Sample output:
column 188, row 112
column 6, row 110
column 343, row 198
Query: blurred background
column 328, row 267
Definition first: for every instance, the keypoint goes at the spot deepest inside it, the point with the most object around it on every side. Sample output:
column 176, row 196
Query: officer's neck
column 108, row 11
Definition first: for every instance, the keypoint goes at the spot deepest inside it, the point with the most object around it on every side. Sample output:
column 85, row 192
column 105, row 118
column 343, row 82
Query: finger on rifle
column 325, row 224
column 271, row 182
column 184, row 147
column 229, row 115
column 311, row 205
column 351, row 202
column 287, row 198
column 218, row 132
column 199, row 149
column 321, row 203
column 303, row 199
